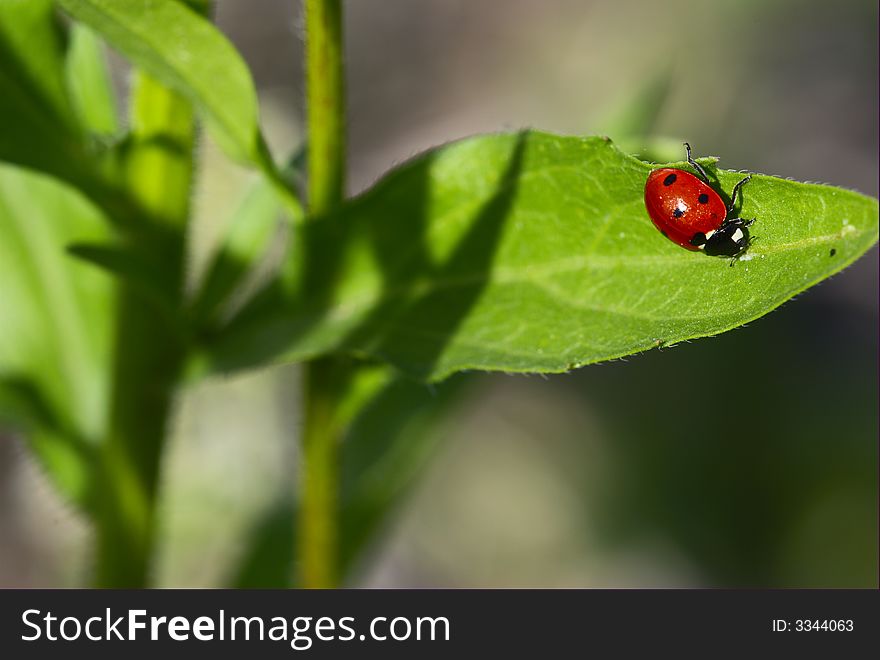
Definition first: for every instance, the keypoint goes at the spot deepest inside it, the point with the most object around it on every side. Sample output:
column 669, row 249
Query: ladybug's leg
column 695, row 164
column 739, row 222
column 736, row 192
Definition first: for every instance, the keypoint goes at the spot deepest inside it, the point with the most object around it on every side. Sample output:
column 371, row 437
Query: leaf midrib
column 583, row 262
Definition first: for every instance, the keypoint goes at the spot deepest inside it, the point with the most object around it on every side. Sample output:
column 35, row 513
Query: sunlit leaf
column 89, row 82
column 184, row 51
column 532, row 252
column 55, row 323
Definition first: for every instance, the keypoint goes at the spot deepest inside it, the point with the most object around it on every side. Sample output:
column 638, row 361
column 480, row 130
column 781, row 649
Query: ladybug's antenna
column 695, row 164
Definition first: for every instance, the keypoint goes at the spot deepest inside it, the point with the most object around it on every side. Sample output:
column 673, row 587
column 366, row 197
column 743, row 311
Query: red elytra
column 682, row 206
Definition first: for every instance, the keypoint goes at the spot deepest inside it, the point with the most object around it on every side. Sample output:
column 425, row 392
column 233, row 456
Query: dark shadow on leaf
column 33, row 133
column 424, row 325
column 306, row 285
column 421, row 304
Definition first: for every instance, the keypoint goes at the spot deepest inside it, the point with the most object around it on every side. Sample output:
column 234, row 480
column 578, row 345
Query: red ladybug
column 688, row 211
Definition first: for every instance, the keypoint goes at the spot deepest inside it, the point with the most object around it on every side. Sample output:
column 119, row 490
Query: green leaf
column 254, row 223
column 33, row 42
column 55, row 323
column 137, row 269
column 240, row 265
column 184, row 51
column 532, row 252
column 36, row 128
column 68, row 459
column 188, row 54
column 89, row 83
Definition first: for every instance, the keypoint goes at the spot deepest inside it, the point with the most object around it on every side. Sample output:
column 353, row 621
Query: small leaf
column 185, row 52
column 188, row 54
column 68, row 459
column 36, row 129
column 240, row 265
column 88, row 80
column 33, row 41
column 532, row 252
column 135, row 268
column 56, row 322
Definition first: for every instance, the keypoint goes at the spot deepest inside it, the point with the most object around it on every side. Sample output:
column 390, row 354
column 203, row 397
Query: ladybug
column 688, row 211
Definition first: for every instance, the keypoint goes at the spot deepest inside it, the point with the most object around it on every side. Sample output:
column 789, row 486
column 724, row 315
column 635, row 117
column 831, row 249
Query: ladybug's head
column 731, row 239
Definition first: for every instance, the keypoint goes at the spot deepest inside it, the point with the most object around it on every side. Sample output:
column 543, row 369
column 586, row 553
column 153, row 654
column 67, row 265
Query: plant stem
column 319, row 512
column 148, row 358
column 325, row 100
column 149, row 351
column 325, row 378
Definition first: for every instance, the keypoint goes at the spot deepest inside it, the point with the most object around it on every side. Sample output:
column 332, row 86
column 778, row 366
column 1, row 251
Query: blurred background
column 602, row 477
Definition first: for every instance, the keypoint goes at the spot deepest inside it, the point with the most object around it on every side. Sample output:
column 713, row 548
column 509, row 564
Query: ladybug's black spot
column 669, row 180
column 833, row 252
column 703, row 198
column 678, row 212
column 698, row 239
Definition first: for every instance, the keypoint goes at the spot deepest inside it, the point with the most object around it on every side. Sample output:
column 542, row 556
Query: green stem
column 324, row 379
column 319, row 512
column 149, row 351
column 325, row 99
column 148, row 359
